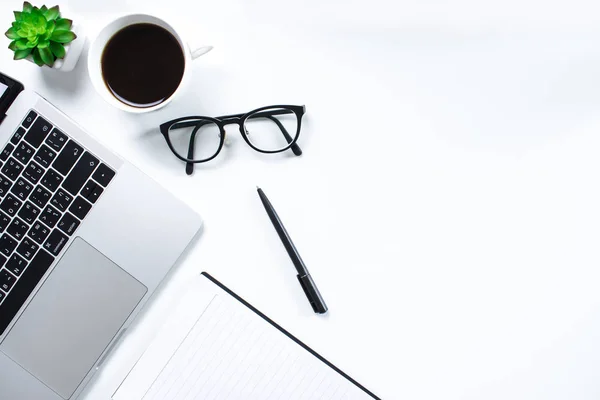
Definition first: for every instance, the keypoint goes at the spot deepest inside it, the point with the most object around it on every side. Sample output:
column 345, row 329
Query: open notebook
column 217, row 346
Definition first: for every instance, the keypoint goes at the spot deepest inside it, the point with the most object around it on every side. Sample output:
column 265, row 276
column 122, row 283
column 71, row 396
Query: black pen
column 306, row 281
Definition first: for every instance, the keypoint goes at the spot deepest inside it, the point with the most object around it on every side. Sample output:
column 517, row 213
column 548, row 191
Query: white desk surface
column 447, row 202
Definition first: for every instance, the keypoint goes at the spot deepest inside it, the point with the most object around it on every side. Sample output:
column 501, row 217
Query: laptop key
column 61, row 200
column 16, row 264
column 18, row 135
column 10, row 205
column 52, row 180
column 93, row 197
column 24, row 287
column 29, row 212
column 7, row 280
column 67, row 158
column 103, row 175
column 6, row 152
column 29, row 119
column 56, row 241
column 91, row 191
column 80, row 207
column 17, row 229
column 38, row 132
column 50, row 216
column 7, row 244
column 68, row 224
column 33, row 172
column 56, row 140
column 80, row 173
column 2, row 260
column 40, row 197
column 4, row 221
column 27, row 248
column 39, row 232
column 45, row 156
column 23, row 152
column 5, row 185
column 22, row 188
column 12, row 169
column 88, row 188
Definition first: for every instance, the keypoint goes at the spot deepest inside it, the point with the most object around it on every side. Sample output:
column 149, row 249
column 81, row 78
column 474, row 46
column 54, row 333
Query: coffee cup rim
column 95, row 58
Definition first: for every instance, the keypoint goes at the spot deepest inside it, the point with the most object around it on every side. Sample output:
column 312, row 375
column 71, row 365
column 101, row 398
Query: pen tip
column 257, row 188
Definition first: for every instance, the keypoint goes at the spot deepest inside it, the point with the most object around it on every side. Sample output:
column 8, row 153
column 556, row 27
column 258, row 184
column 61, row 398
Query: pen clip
column 312, row 293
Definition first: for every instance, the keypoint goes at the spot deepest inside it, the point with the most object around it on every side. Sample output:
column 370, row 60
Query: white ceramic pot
column 73, row 49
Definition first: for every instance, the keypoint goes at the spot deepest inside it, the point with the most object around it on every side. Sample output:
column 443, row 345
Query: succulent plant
column 41, row 33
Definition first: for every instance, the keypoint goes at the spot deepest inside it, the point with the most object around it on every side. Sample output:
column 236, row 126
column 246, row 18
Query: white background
column 447, row 201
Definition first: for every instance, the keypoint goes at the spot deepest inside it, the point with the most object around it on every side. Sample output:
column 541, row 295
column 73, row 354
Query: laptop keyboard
column 48, row 184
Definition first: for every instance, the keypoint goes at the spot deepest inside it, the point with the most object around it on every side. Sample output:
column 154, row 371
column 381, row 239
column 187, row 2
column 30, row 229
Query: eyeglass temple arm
column 233, row 118
column 189, row 167
column 295, row 148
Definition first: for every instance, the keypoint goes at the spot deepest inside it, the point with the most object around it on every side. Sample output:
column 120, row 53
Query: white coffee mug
column 100, row 42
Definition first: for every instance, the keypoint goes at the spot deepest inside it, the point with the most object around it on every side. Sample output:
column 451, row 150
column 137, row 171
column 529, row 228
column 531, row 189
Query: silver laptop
column 85, row 239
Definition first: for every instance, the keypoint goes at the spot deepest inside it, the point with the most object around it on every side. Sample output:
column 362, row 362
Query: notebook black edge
column 295, row 339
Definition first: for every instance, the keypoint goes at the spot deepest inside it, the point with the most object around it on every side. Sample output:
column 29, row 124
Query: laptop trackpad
column 73, row 318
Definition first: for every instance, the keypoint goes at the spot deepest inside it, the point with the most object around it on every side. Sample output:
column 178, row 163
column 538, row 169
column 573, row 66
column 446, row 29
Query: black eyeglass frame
column 239, row 119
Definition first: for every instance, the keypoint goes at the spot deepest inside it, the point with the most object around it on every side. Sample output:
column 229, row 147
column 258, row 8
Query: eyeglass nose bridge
column 230, row 120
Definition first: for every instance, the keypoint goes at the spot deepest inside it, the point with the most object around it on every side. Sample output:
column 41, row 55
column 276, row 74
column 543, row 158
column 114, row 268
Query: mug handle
column 197, row 52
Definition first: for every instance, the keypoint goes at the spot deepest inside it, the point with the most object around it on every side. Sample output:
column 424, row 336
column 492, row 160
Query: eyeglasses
column 271, row 129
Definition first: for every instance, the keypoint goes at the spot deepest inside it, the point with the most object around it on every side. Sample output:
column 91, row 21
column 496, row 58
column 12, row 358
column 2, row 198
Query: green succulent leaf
column 42, row 44
column 64, row 24
column 63, row 36
column 44, row 9
column 35, row 22
column 33, row 43
column 21, row 44
column 49, row 29
column 58, row 50
column 26, row 18
column 47, row 56
column 12, row 34
column 52, row 13
column 27, row 7
column 21, row 54
column 37, row 58
column 13, row 45
column 36, row 12
column 18, row 15
column 39, row 22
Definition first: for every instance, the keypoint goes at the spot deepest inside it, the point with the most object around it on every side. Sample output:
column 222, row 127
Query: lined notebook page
column 214, row 347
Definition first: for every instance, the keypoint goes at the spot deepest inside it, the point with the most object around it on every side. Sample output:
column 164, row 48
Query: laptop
column 85, row 239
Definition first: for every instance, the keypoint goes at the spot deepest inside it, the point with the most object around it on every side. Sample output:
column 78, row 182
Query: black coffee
column 143, row 65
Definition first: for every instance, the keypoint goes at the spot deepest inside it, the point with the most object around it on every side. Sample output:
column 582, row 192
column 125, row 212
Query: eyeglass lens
column 272, row 129
column 203, row 137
